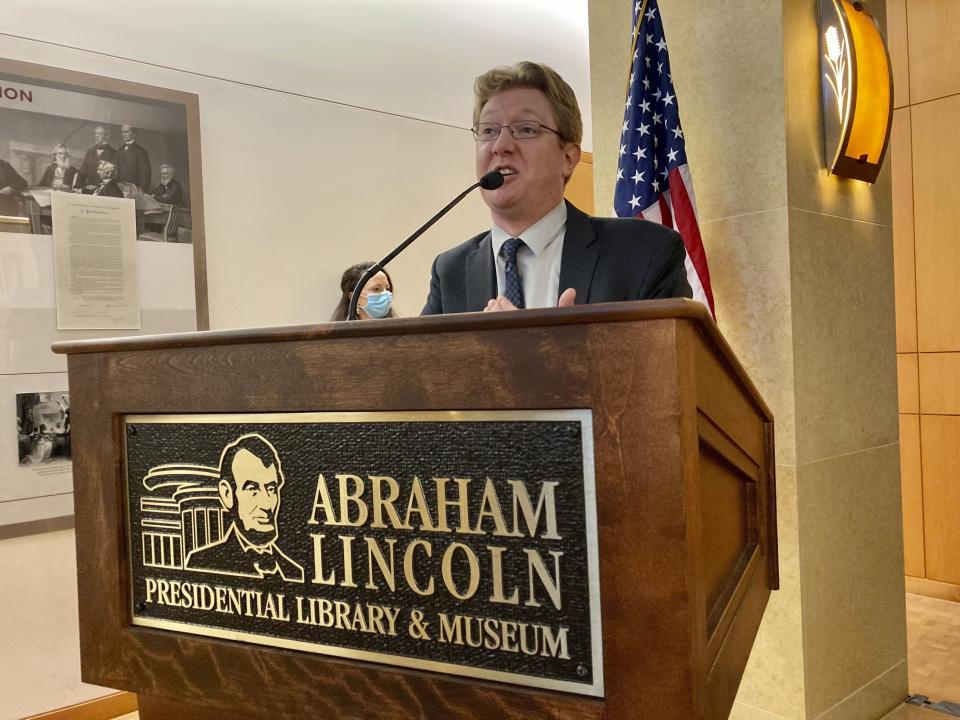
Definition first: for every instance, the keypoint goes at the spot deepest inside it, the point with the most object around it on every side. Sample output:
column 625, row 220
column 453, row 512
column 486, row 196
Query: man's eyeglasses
column 520, row 130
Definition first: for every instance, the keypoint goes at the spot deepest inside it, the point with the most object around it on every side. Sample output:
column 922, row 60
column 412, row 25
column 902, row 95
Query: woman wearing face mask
column 376, row 298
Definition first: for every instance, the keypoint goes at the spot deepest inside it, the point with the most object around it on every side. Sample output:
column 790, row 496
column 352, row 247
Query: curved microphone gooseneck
column 491, row 181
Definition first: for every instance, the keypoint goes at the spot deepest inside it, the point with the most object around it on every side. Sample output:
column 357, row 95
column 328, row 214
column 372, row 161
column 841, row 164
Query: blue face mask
column 378, row 304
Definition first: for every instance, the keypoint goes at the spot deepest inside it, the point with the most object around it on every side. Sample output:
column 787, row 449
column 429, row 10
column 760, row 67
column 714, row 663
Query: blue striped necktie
column 513, row 285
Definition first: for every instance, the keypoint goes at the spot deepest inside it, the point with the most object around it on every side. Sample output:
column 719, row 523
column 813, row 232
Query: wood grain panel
column 729, row 423
column 940, row 383
column 579, row 190
column 104, row 708
column 934, row 589
column 897, row 45
column 729, row 525
column 729, row 533
column 908, row 384
column 911, row 490
column 727, row 408
column 936, row 187
column 904, row 266
column 933, row 28
column 645, row 446
column 940, row 457
column 301, row 375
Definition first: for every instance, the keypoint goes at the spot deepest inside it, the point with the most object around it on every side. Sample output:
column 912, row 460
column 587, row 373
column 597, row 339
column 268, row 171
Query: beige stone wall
column 802, row 270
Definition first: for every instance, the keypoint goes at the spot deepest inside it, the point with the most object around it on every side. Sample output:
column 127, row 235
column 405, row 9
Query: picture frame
column 36, row 98
column 59, row 130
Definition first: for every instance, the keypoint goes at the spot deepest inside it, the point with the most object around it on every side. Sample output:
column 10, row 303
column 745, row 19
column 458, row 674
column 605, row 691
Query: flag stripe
column 653, row 176
column 690, row 232
column 666, row 215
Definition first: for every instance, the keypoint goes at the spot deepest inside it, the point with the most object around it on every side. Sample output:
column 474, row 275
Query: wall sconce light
column 857, row 90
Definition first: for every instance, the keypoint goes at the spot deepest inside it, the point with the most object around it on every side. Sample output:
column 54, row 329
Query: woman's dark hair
column 351, row 276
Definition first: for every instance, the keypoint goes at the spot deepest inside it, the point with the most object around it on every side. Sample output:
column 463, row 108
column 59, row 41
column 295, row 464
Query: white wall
column 330, row 130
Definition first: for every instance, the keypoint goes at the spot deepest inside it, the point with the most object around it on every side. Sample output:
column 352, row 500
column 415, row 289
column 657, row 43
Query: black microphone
column 491, row 181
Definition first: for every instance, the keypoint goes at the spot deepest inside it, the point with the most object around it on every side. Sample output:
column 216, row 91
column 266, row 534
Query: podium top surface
column 678, row 308
column 603, row 313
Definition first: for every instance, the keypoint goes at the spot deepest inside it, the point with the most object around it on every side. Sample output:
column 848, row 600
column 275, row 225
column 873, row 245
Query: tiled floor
column 911, row 712
column 933, row 656
column 933, row 648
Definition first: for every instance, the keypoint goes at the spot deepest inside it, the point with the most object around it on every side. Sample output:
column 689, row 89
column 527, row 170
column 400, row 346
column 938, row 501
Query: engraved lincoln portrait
column 250, row 481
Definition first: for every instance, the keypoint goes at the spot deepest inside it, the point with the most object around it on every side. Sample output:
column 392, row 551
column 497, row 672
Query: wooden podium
column 685, row 502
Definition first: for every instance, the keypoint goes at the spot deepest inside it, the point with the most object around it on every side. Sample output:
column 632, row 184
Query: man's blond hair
column 526, row 74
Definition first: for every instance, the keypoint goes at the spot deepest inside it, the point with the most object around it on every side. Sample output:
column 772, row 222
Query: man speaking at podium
column 541, row 250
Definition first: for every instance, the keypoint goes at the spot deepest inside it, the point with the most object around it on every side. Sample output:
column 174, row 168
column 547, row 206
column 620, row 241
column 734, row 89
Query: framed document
column 71, row 139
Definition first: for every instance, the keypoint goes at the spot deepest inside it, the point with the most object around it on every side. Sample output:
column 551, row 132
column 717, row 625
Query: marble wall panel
column 844, row 335
column 879, row 697
column 727, row 63
column 750, row 270
column 851, row 561
column 610, row 41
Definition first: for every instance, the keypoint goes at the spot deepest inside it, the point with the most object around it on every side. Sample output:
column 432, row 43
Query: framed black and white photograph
column 64, row 134
column 64, row 137
column 43, row 427
column 36, row 481
column 64, row 131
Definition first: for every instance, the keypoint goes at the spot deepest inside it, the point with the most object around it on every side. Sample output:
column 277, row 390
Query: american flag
column 653, row 177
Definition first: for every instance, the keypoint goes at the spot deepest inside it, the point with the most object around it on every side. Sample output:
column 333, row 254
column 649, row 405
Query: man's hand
column 6, row 191
column 567, row 298
column 501, row 304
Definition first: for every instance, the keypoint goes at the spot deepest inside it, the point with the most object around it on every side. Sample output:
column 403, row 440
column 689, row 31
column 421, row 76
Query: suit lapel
column 480, row 278
column 580, row 252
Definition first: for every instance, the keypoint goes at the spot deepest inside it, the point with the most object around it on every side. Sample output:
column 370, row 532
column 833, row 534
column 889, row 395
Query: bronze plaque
column 457, row 542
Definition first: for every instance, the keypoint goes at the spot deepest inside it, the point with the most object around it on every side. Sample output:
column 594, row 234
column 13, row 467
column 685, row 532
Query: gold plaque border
column 584, row 417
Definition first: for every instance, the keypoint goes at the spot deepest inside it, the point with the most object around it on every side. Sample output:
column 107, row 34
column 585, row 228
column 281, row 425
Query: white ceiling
column 415, row 58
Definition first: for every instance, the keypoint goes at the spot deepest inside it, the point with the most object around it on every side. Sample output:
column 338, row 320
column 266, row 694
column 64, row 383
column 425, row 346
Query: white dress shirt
column 538, row 260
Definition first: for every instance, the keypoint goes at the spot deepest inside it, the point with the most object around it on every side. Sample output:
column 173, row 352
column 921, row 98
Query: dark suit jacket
column 171, row 193
column 88, row 168
column 68, row 176
column 228, row 557
column 110, row 189
column 604, row 259
column 10, row 204
column 133, row 166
